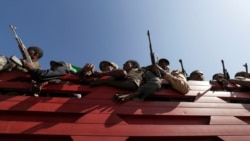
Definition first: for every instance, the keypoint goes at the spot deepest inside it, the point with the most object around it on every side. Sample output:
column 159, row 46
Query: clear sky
column 200, row 32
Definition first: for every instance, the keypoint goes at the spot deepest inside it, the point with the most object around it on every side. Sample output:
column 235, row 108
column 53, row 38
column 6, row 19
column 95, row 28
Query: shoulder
column 178, row 73
column 36, row 65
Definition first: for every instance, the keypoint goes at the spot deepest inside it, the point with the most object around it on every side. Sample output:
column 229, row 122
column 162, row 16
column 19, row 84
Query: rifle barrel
column 246, row 67
column 152, row 56
column 21, row 46
column 150, row 49
column 225, row 72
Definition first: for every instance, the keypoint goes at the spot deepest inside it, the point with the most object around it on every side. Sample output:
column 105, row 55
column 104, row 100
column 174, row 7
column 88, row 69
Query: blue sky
column 200, row 32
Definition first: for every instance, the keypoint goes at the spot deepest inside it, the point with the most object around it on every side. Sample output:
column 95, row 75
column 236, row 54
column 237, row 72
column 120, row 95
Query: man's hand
column 88, row 68
column 27, row 65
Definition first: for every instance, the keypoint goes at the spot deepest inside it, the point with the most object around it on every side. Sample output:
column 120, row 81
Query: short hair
column 240, row 73
column 195, row 72
column 217, row 74
column 163, row 60
column 38, row 50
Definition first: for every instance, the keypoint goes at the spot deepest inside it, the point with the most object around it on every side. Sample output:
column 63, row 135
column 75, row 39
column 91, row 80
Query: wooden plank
column 153, row 138
column 193, row 96
column 199, row 88
column 198, row 83
column 235, row 138
column 18, row 75
column 52, row 88
column 98, row 138
column 121, row 109
column 30, row 137
column 242, row 94
column 227, row 120
column 109, row 102
column 121, row 130
column 210, row 100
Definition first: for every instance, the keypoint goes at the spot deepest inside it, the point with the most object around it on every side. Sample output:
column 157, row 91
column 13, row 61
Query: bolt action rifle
column 21, row 46
column 182, row 69
column 246, row 67
column 225, row 72
column 152, row 55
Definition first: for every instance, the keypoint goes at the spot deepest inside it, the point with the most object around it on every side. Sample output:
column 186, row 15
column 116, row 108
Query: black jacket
column 45, row 75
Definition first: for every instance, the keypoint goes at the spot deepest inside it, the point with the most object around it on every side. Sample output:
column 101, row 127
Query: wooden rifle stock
column 21, row 46
column 225, row 73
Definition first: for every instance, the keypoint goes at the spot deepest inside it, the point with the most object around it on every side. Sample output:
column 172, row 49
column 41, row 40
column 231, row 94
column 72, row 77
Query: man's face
column 164, row 66
column 127, row 66
column 107, row 67
column 199, row 76
column 33, row 54
column 219, row 77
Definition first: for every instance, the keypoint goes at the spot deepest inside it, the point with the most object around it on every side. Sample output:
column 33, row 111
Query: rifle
column 152, row 55
column 182, row 68
column 21, row 46
column 225, row 72
column 246, row 75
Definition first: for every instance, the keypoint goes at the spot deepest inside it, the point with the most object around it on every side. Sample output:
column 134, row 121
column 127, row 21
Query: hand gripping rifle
column 152, row 55
column 225, row 73
column 182, row 69
column 21, row 46
column 246, row 75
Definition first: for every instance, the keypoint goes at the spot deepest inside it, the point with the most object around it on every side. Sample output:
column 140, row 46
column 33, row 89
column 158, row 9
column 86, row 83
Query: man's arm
column 45, row 75
column 176, row 79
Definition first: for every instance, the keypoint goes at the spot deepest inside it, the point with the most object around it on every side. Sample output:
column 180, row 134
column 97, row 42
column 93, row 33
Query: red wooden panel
column 170, row 93
column 165, row 119
column 198, row 83
column 7, row 76
column 59, row 88
column 16, row 86
column 46, row 128
column 210, row 100
column 211, row 115
column 95, row 101
column 229, row 120
column 130, row 108
column 176, row 138
column 235, row 138
column 222, row 94
column 40, row 116
column 30, row 137
column 99, row 138
column 199, row 88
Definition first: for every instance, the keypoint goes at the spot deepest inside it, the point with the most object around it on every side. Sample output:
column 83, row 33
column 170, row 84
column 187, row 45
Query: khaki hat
column 104, row 63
